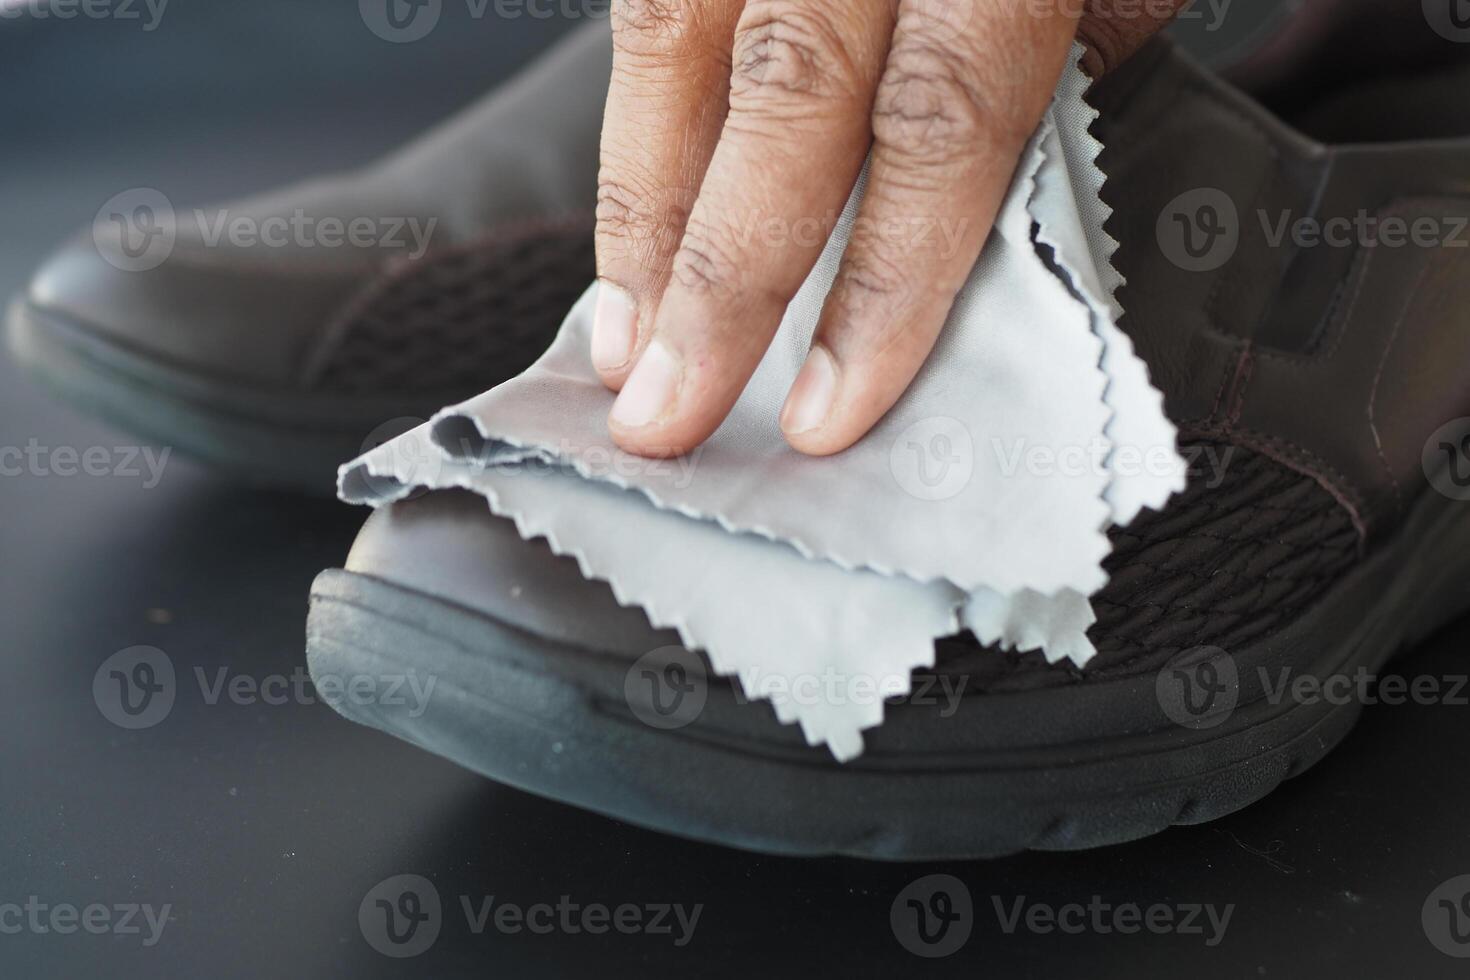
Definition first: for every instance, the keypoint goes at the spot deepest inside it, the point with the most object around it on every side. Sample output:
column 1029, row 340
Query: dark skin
column 734, row 130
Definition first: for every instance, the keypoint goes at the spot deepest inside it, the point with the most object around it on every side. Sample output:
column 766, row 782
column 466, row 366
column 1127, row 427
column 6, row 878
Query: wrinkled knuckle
column 786, row 52
column 932, row 109
column 646, row 26
column 618, row 212
column 633, row 235
column 707, row 261
column 868, row 279
column 638, row 228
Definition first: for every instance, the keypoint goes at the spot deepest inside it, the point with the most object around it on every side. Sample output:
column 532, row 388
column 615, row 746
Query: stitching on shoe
column 1227, row 374
column 1245, row 367
column 1302, row 460
column 1398, row 497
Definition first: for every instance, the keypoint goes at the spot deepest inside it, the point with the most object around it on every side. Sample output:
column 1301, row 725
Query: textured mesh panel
column 461, row 321
column 1221, row 566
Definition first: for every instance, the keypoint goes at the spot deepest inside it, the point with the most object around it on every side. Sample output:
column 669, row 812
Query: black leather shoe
column 1312, row 383
column 280, row 361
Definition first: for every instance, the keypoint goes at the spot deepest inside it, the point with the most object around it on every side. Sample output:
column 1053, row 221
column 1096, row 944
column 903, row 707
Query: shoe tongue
column 981, row 499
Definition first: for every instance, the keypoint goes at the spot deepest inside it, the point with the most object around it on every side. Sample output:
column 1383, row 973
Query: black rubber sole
column 1062, row 768
column 275, row 438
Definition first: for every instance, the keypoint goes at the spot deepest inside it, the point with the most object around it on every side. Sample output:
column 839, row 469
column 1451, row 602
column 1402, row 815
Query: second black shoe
column 277, row 352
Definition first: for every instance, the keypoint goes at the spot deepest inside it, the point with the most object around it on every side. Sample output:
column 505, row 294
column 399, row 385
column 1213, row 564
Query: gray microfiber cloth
column 980, row 501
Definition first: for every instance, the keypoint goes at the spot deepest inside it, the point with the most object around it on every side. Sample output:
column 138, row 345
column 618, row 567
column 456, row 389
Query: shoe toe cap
column 448, row 545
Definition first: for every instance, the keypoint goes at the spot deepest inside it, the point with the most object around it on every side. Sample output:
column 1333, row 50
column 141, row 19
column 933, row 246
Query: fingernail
column 614, row 327
column 649, row 392
column 810, row 401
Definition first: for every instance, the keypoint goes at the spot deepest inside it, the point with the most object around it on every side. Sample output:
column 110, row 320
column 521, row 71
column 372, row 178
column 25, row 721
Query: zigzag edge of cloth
column 786, row 569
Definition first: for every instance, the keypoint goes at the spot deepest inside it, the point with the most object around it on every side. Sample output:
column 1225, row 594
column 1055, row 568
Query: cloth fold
column 980, row 501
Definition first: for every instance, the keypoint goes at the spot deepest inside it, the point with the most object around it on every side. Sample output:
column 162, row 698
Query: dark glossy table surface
column 261, row 827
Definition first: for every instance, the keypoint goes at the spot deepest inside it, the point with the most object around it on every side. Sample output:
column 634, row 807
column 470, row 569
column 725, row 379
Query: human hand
column 734, row 132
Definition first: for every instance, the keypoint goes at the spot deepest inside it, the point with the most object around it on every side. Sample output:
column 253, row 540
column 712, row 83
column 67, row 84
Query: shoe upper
column 472, row 241
column 1305, row 379
column 1318, row 328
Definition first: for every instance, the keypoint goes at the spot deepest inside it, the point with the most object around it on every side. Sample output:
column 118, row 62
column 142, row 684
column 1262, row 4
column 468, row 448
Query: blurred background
column 262, row 827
